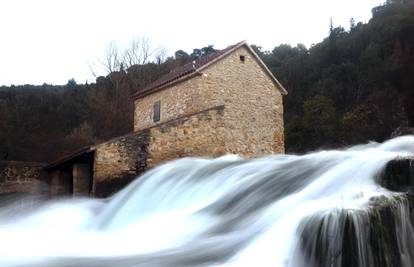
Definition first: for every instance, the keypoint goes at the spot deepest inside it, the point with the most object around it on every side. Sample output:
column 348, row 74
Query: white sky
column 54, row 40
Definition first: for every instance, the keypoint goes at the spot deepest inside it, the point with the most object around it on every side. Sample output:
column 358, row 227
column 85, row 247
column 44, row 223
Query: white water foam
column 227, row 211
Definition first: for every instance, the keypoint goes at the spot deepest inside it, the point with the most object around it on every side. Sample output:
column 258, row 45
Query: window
column 157, row 111
column 242, row 58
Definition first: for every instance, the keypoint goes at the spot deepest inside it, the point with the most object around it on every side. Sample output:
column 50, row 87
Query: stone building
column 226, row 102
column 234, row 81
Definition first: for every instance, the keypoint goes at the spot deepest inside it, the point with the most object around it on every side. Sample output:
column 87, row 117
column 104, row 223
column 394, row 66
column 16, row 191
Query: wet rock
column 398, row 175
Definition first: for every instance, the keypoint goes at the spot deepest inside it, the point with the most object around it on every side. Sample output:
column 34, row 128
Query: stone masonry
column 19, row 177
column 253, row 104
column 232, row 106
column 118, row 161
column 227, row 102
column 196, row 135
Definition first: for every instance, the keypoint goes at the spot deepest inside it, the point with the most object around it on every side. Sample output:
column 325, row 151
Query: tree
column 316, row 128
column 112, row 58
column 319, row 116
column 196, row 53
column 181, row 55
column 71, row 84
column 352, row 24
column 359, row 125
column 207, row 50
column 138, row 52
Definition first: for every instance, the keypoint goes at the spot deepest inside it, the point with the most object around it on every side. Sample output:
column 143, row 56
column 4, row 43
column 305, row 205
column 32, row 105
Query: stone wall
column 188, row 97
column 254, row 105
column 200, row 134
column 253, row 118
column 16, row 177
column 118, row 161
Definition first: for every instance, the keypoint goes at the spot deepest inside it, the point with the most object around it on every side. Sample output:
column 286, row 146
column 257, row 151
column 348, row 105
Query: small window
column 157, row 111
column 242, row 58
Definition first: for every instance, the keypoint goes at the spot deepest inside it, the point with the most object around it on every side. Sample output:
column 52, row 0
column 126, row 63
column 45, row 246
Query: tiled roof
column 184, row 70
column 194, row 67
column 69, row 156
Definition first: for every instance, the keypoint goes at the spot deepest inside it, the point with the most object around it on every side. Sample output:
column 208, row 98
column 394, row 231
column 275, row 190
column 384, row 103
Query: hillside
column 354, row 86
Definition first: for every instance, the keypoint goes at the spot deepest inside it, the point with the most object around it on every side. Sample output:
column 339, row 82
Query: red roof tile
column 188, row 69
column 184, row 70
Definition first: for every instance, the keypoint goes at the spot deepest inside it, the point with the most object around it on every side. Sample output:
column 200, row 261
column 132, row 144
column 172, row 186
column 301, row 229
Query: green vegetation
column 41, row 123
column 354, row 86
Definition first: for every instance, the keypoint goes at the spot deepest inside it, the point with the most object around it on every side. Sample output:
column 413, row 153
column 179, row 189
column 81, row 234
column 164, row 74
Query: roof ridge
column 184, row 70
column 192, row 68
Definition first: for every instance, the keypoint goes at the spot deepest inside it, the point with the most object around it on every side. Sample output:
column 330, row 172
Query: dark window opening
column 157, row 111
column 242, row 58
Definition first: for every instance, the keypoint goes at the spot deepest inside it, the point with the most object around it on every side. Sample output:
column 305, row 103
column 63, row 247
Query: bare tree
column 139, row 52
column 112, row 60
column 161, row 55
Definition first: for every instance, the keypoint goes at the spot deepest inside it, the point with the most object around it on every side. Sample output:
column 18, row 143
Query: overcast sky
column 51, row 41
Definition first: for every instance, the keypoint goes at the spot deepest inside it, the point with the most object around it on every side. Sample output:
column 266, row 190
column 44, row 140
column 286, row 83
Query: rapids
column 280, row 210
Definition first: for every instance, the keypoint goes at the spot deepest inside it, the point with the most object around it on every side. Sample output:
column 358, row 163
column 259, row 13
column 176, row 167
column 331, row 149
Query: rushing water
column 284, row 210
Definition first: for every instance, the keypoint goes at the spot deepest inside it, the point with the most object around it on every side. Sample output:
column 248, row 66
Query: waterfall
column 327, row 208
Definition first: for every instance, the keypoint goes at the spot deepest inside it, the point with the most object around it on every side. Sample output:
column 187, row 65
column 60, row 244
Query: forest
column 355, row 86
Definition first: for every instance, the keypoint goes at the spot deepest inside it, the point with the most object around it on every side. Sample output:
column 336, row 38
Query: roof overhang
column 78, row 156
column 197, row 72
